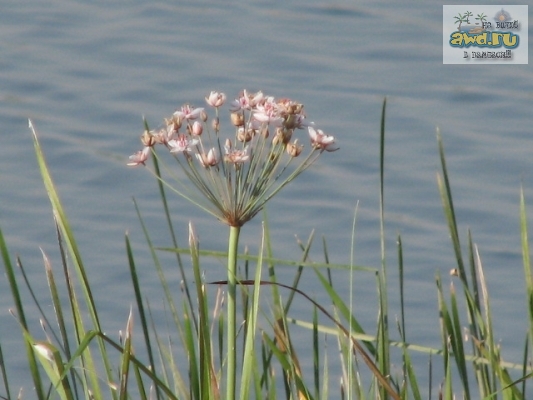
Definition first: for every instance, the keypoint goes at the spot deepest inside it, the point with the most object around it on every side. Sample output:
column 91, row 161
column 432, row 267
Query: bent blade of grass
column 223, row 255
column 52, row 363
column 371, row 338
column 62, row 338
column 91, row 335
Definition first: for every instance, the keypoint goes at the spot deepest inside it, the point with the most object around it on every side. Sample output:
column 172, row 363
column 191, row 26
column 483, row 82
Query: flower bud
column 197, row 128
column 244, row 135
column 203, row 115
column 208, row 160
column 282, row 136
column 294, row 149
column 147, row 139
column 215, row 99
column 174, row 122
column 237, row 119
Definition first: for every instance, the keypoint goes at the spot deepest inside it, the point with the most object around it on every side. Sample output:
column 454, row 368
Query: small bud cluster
column 257, row 155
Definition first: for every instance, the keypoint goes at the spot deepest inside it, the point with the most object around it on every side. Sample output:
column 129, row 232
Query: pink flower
column 246, row 101
column 236, row 156
column 182, row 144
column 319, row 140
column 268, row 112
column 188, row 113
column 165, row 134
column 216, row 99
column 140, row 157
column 208, row 160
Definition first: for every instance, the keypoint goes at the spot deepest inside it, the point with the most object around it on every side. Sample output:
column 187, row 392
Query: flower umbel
column 258, row 160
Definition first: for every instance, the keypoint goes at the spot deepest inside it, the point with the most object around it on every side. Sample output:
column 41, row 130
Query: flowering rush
column 236, row 174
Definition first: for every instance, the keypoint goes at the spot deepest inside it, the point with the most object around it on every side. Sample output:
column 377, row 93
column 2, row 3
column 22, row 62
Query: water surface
column 86, row 74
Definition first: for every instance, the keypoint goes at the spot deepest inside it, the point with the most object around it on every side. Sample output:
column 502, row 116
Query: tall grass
column 77, row 360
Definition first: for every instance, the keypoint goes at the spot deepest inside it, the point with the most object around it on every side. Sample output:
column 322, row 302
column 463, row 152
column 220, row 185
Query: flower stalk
column 233, row 244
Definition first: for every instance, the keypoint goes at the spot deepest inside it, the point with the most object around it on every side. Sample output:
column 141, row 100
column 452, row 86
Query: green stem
column 232, row 291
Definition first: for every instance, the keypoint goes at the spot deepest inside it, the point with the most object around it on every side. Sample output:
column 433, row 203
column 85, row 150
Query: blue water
column 86, row 74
